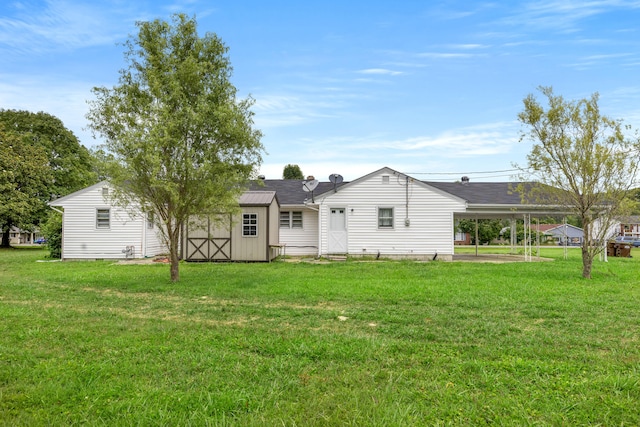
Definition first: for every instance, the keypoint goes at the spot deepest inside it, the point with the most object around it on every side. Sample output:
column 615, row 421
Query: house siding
column 83, row 240
column 430, row 214
column 301, row 241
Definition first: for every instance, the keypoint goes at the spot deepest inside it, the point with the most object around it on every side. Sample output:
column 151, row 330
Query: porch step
column 336, row 257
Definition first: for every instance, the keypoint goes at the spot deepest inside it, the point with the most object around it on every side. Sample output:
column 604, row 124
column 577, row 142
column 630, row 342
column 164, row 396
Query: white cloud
column 564, row 15
column 445, row 55
column 380, row 71
column 60, row 26
column 496, row 138
column 287, row 110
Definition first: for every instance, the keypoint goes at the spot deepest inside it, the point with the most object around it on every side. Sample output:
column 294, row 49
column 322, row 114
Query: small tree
column 292, row 172
column 488, row 229
column 52, row 232
column 586, row 162
column 177, row 140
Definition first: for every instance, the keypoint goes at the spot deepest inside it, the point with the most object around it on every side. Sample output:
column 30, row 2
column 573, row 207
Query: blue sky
column 430, row 88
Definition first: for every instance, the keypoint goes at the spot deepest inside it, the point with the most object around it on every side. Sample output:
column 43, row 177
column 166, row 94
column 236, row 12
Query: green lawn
column 343, row 343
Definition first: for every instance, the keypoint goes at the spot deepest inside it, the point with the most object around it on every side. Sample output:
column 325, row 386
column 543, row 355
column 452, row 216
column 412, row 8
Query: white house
column 382, row 214
column 94, row 228
column 386, row 213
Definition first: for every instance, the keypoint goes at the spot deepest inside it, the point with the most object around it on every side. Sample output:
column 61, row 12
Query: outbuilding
column 253, row 235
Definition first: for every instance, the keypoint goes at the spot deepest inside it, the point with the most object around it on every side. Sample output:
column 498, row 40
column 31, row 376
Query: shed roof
column 257, row 198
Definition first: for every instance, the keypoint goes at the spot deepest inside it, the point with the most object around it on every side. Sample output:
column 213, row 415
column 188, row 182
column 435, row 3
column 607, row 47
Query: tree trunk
column 6, row 242
column 587, row 262
column 173, row 256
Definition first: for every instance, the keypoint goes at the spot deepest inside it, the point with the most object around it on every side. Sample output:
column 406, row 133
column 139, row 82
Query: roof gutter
column 56, row 209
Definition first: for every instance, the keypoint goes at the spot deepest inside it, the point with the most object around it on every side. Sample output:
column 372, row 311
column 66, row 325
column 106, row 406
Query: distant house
column 629, row 226
column 624, row 226
column 382, row 214
column 18, row 236
column 561, row 234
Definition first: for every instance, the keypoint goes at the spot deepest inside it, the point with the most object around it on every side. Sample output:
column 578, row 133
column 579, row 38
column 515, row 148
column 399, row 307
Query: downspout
column 143, row 243
column 406, row 197
column 319, row 230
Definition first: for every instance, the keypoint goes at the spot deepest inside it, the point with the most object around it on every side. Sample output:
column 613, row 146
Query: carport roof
column 494, row 193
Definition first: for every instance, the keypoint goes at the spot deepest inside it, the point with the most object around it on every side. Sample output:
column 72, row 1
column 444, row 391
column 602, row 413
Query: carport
column 499, row 200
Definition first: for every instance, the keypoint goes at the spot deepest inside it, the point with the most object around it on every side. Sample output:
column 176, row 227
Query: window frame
column 249, row 224
column 103, row 223
column 291, row 220
column 390, row 218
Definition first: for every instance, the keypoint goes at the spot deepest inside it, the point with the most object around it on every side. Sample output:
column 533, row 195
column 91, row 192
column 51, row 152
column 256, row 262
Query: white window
column 385, row 217
column 103, row 218
column 249, row 225
column 291, row 219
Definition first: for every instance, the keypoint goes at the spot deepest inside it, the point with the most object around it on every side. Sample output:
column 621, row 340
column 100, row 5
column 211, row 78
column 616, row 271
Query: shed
column 252, row 235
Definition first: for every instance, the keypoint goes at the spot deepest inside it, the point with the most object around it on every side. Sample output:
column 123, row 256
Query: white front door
column 337, row 231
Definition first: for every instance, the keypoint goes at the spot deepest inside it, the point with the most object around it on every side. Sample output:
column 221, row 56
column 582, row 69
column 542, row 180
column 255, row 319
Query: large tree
column 587, row 161
column 24, row 180
column 178, row 141
column 69, row 164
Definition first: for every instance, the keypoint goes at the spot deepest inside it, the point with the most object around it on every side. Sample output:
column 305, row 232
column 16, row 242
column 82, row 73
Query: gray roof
column 290, row 191
column 483, row 193
column 257, row 198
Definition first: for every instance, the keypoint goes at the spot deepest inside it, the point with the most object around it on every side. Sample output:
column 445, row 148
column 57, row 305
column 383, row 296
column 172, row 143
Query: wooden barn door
column 209, row 239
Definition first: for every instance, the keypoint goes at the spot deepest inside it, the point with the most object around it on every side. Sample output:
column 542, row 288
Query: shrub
column 52, row 232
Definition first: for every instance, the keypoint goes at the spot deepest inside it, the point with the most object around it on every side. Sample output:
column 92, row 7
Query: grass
column 351, row 343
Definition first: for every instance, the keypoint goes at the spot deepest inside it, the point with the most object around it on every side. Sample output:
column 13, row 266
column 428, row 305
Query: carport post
column 476, row 235
column 514, row 235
